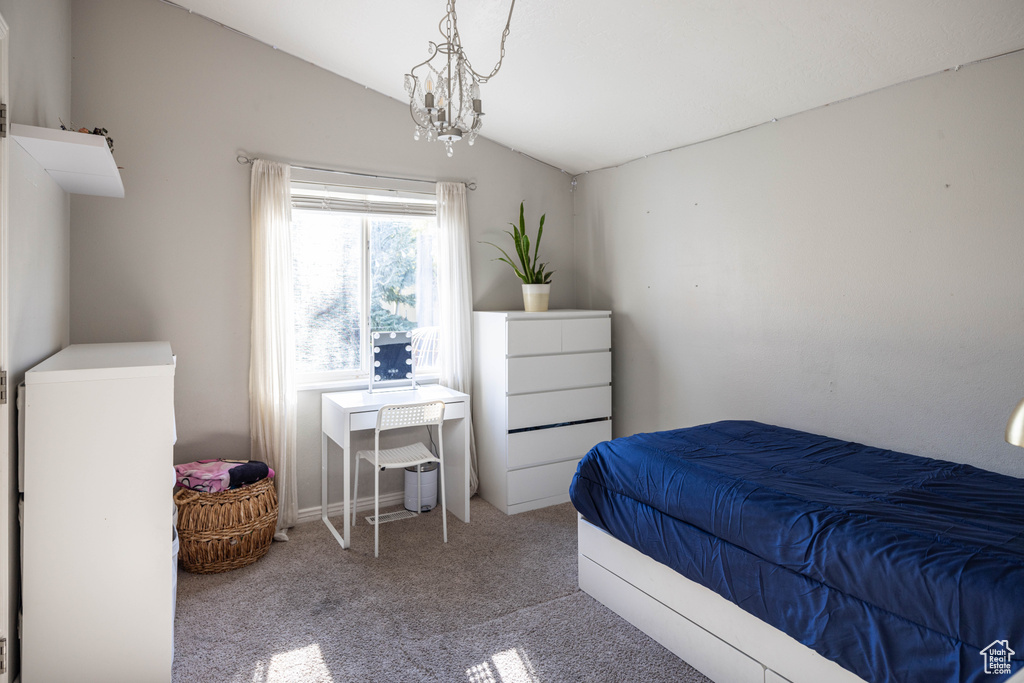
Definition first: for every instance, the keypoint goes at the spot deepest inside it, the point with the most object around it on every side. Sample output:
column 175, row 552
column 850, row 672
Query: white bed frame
column 719, row 639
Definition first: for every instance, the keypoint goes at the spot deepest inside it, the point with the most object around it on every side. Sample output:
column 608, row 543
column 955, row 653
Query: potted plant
column 535, row 276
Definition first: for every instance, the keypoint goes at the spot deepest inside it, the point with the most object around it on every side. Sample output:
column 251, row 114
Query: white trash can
column 428, row 484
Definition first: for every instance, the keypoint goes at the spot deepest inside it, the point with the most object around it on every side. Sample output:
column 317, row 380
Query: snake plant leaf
column 517, row 241
column 540, row 231
column 507, row 259
column 518, row 273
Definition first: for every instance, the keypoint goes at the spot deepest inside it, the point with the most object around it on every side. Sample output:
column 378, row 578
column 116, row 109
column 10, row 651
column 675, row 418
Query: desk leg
column 467, row 426
column 347, row 495
column 324, row 445
column 456, row 467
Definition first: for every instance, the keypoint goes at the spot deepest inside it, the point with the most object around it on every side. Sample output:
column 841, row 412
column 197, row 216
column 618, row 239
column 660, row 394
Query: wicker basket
column 225, row 530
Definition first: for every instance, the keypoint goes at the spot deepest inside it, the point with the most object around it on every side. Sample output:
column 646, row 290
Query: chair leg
column 419, row 489
column 376, row 511
column 444, row 509
column 355, row 493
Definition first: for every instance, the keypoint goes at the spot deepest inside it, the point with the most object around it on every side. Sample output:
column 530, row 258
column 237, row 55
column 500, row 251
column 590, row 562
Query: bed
column 759, row 553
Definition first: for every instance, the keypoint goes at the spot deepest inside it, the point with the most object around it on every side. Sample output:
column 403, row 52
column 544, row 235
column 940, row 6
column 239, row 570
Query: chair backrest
column 400, row 415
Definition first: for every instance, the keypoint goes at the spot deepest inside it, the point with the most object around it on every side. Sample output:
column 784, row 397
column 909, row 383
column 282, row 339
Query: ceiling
column 588, row 84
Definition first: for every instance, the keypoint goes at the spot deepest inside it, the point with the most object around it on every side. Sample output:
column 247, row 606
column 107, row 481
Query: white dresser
column 98, row 570
column 542, row 397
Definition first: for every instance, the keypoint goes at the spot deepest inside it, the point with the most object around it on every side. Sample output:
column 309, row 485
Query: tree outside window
column 355, row 272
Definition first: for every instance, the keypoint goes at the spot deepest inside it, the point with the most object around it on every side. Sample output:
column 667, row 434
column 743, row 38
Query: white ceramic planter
column 535, row 297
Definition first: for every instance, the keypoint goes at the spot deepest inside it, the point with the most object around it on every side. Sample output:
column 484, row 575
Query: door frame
column 9, row 547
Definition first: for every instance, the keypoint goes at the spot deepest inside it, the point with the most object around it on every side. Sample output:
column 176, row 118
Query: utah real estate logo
column 997, row 657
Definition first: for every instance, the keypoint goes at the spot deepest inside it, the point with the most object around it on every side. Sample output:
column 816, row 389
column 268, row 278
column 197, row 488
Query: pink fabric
column 208, row 476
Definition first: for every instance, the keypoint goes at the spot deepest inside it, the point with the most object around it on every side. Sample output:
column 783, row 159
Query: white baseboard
column 362, row 505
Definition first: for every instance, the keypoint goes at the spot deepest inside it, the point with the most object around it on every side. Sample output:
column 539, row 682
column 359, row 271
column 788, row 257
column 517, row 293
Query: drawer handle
column 558, row 424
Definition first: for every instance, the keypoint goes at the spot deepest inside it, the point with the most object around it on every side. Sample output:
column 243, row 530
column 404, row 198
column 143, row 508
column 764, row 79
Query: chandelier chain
column 453, row 19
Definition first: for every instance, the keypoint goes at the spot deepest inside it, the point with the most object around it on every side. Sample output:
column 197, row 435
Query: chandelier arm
column 412, row 94
column 434, row 49
column 462, row 98
column 412, row 113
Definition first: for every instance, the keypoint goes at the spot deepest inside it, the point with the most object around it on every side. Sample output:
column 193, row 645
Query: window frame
column 352, row 379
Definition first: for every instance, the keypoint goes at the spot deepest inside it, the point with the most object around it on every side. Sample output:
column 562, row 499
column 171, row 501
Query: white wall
column 181, row 97
column 853, row 271
column 40, row 69
column 39, row 219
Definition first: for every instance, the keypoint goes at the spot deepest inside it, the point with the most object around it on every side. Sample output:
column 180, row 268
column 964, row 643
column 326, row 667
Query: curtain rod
column 242, row 159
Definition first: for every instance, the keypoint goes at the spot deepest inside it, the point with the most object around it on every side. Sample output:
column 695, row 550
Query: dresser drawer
column 542, row 481
column 554, row 407
column 534, row 337
column 571, row 335
column 550, row 373
column 555, row 443
column 586, row 334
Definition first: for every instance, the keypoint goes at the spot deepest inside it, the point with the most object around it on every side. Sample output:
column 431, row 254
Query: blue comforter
column 897, row 567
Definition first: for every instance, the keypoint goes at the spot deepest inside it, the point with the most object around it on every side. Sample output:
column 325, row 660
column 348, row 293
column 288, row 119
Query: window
column 364, row 259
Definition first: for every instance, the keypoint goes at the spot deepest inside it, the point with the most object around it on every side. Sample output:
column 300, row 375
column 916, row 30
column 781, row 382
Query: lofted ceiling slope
column 588, row 84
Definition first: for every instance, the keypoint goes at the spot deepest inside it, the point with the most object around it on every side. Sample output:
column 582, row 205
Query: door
column 9, row 533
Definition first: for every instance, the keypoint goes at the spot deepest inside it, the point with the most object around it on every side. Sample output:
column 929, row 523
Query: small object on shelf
column 226, row 530
column 94, row 131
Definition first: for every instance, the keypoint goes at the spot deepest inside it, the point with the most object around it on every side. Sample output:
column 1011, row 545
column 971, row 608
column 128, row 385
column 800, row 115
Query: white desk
column 344, row 412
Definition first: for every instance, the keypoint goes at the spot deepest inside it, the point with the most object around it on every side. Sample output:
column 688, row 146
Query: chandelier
column 444, row 97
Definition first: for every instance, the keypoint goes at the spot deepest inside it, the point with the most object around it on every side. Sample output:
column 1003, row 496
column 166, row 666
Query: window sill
column 355, row 384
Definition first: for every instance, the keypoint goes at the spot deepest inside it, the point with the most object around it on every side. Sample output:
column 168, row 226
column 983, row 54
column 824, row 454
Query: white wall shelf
column 81, row 163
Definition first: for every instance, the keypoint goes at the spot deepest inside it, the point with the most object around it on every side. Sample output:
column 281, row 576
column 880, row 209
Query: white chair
column 398, row 416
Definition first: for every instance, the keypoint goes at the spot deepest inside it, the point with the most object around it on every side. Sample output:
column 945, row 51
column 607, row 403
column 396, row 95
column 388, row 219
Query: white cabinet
column 98, row 576
column 542, row 397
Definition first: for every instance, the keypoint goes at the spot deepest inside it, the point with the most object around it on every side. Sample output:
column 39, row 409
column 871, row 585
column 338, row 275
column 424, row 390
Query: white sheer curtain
column 272, row 396
column 455, row 294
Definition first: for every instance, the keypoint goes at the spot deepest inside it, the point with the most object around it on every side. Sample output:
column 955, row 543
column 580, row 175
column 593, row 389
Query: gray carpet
column 498, row 604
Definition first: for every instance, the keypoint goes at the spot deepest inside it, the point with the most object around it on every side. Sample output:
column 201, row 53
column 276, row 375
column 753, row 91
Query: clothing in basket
column 212, row 476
